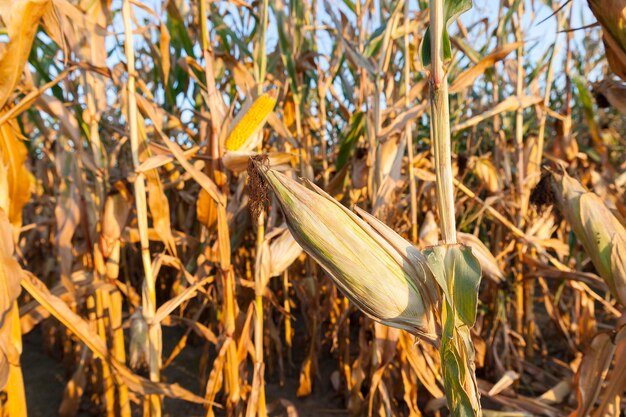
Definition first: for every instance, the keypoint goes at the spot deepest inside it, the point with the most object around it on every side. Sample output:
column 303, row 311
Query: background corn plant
column 155, row 282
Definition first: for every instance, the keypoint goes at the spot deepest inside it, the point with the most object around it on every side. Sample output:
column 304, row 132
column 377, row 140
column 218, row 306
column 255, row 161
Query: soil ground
column 45, row 381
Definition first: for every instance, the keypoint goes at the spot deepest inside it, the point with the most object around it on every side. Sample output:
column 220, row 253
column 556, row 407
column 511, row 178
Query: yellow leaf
column 14, row 154
column 22, row 24
column 206, row 209
column 10, row 274
column 467, row 77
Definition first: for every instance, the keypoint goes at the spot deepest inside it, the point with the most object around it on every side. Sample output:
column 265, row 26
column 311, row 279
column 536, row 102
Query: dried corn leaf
column 14, row 155
column 467, row 77
column 82, row 331
column 22, row 23
column 592, row 372
column 10, row 274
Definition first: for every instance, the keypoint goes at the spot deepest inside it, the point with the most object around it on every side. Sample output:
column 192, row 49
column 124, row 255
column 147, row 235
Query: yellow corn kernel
column 249, row 121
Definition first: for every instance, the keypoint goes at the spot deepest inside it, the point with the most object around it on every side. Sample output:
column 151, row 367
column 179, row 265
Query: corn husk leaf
column 284, row 250
column 237, row 161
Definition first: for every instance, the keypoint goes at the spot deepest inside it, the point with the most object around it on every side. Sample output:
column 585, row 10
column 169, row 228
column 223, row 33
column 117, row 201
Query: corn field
column 312, row 208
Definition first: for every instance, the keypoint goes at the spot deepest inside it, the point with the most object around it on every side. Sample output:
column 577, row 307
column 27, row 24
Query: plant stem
column 408, row 132
column 440, row 125
column 149, row 293
column 259, row 366
column 259, row 288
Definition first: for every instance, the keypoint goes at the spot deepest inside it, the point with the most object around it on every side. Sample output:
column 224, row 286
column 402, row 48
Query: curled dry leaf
column 116, row 210
column 487, row 174
column 593, row 370
column 613, row 92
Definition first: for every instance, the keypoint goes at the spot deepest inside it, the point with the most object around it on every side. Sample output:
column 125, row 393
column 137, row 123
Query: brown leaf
column 614, row 92
column 592, row 372
column 74, row 389
column 616, row 382
column 164, row 47
column 467, row 77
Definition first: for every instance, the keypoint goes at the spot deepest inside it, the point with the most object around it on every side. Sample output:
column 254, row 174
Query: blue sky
column 539, row 36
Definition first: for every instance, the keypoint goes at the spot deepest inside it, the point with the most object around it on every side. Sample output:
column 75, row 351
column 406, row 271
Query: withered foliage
column 132, row 234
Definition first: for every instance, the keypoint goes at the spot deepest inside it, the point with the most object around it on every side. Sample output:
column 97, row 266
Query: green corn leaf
column 436, row 256
column 350, row 5
column 458, row 273
column 457, row 367
column 464, row 276
column 228, row 35
column 451, row 9
column 375, row 41
column 357, row 124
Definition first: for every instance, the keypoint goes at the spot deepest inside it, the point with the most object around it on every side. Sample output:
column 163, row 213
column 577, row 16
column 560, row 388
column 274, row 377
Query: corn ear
column 612, row 18
column 379, row 271
column 245, row 127
column 596, row 227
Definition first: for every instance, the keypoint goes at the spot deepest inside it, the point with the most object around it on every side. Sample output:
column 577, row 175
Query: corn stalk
column 231, row 370
column 455, row 267
column 408, row 130
column 152, row 405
